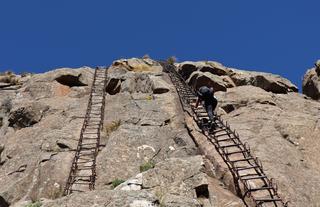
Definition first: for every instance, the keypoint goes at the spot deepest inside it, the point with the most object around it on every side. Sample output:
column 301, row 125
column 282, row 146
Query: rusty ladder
column 82, row 174
column 251, row 182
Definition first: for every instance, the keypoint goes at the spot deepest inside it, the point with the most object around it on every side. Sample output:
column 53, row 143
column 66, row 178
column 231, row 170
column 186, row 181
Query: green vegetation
column 116, row 182
column 111, row 127
column 171, row 60
column 149, row 98
column 34, row 204
column 146, row 166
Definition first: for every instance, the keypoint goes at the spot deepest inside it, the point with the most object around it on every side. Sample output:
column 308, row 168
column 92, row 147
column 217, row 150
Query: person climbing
column 206, row 95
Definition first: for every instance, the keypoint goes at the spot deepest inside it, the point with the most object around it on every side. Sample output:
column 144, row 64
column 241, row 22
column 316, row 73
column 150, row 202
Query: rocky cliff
column 150, row 155
column 311, row 82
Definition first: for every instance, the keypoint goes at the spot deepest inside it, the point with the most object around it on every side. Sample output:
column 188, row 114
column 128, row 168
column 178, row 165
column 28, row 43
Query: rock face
column 311, row 82
column 147, row 146
column 220, row 77
column 35, row 118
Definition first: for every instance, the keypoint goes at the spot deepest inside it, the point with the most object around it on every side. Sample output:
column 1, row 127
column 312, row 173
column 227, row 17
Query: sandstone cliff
column 145, row 140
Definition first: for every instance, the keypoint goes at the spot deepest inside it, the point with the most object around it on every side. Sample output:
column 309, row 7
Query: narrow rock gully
column 251, row 183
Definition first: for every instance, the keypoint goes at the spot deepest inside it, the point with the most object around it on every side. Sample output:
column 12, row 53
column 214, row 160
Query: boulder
column 232, row 77
column 116, row 74
column 311, row 83
column 198, row 79
column 51, row 83
column 266, row 81
column 159, row 85
column 188, row 67
column 119, row 80
column 27, row 116
column 215, row 68
column 243, row 96
column 67, row 76
column 145, row 65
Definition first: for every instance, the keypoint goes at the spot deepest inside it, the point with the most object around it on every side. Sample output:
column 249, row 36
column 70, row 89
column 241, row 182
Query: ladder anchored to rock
column 251, row 182
column 82, row 174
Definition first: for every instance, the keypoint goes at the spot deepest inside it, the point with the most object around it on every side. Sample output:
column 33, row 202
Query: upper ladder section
column 82, row 174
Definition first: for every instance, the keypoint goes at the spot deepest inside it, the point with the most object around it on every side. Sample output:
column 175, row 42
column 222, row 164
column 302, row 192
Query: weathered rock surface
column 266, row 81
column 143, row 124
column 198, row 79
column 36, row 120
column 146, row 142
column 220, row 77
column 311, row 82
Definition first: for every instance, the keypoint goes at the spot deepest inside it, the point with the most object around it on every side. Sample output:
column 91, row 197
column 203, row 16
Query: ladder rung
column 83, row 144
column 264, row 200
column 84, row 162
column 230, row 145
column 90, row 138
column 89, row 132
column 81, row 176
column 219, row 130
column 220, row 135
column 81, row 183
column 236, row 152
column 261, row 188
column 226, row 139
column 246, row 168
column 251, row 177
column 86, row 154
column 85, row 168
column 242, row 160
column 71, row 190
column 88, row 148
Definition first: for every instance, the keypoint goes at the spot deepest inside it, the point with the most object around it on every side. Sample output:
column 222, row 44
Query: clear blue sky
column 277, row 36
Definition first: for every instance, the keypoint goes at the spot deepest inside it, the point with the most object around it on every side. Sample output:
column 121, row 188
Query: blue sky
column 274, row 36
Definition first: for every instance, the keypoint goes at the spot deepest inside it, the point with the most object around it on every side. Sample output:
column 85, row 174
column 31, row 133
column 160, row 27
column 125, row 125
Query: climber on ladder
column 206, row 95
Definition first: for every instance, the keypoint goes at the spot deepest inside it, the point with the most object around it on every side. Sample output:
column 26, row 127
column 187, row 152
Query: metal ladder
column 251, row 182
column 82, row 174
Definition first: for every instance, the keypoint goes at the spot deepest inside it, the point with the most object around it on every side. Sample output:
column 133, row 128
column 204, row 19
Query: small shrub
column 149, row 98
column 116, row 182
column 111, row 127
column 171, row 60
column 147, row 166
column 34, row 204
